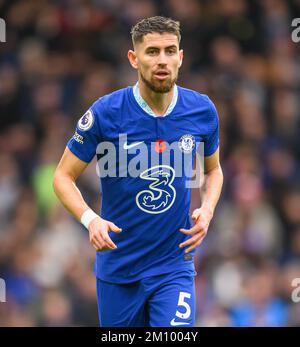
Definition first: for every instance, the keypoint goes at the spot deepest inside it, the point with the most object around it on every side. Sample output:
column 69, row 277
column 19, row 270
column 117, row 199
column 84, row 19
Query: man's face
column 157, row 60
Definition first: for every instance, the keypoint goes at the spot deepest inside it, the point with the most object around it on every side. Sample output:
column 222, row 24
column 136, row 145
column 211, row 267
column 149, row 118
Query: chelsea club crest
column 186, row 143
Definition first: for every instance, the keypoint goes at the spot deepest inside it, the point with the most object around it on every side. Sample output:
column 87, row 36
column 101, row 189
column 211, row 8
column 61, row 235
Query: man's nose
column 162, row 59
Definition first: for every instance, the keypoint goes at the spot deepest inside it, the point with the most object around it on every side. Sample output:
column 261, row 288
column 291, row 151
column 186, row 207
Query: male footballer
column 145, row 138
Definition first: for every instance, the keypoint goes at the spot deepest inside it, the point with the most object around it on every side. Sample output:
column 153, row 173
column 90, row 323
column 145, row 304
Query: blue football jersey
column 145, row 164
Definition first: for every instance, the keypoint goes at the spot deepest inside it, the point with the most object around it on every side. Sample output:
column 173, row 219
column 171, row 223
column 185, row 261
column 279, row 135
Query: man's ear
column 131, row 55
column 181, row 57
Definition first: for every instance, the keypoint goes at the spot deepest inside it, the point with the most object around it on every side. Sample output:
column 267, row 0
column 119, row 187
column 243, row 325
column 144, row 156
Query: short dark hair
column 155, row 24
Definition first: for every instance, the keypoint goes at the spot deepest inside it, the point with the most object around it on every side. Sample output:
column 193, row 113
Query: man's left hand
column 201, row 218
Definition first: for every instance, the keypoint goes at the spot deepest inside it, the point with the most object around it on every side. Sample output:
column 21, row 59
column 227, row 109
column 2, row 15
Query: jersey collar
column 143, row 104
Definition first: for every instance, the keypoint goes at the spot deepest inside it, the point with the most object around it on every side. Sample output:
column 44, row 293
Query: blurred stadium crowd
column 60, row 56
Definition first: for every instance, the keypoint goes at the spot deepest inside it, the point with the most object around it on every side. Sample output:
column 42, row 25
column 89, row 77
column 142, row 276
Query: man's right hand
column 98, row 231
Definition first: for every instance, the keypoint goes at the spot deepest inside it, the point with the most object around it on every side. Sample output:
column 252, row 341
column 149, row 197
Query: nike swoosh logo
column 174, row 324
column 126, row 146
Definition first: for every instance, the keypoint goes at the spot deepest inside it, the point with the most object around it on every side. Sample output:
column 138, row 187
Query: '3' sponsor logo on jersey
column 160, row 195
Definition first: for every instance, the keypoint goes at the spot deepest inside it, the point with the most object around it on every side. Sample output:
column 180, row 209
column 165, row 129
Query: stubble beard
column 158, row 86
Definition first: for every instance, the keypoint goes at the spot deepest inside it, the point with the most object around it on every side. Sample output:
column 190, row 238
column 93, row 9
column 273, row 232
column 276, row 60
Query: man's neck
column 158, row 102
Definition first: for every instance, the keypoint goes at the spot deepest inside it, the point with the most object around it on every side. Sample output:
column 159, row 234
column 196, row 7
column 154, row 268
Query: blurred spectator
column 248, row 223
column 261, row 307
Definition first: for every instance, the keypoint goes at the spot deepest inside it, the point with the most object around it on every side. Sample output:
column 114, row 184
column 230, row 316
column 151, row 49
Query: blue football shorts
column 166, row 300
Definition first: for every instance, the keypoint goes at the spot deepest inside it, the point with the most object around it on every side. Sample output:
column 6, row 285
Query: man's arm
column 212, row 186
column 68, row 170
column 211, row 190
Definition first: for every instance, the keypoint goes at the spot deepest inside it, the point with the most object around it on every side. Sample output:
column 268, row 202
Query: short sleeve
column 211, row 142
column 87, row 135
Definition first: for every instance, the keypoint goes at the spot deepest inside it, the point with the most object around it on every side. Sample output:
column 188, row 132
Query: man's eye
column 171, row 51
column 151, row 52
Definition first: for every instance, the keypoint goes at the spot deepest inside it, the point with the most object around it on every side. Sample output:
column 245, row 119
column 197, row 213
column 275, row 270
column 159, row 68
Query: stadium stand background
column 60, row 56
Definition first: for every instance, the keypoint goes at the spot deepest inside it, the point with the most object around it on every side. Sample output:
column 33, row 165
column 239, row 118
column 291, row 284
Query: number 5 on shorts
column 181, row 302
